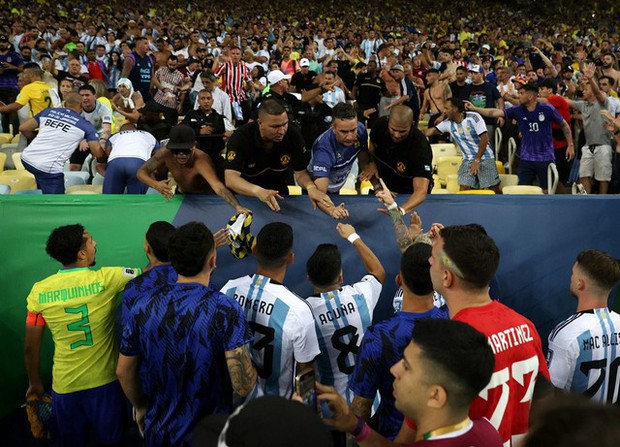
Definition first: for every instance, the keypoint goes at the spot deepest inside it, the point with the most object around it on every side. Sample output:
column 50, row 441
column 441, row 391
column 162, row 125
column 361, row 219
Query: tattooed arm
column 204, row 166
column 403, row 238
column 155, row 162
column 241, row 370
column 361, row 407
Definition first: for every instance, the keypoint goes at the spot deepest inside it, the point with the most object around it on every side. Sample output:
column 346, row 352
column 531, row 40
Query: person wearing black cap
column 152, row 121
column 11, row 63
column 192, row 170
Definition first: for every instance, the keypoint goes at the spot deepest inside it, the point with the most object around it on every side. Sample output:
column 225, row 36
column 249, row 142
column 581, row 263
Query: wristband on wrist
column 393, row 206
column 310, row 187
column 359, row 427
column 402, row 210
column 353, row 237
column 364, row 435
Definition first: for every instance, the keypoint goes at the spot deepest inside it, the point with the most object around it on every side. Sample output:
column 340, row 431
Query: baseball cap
column 486, row 46
column 181, row 137
column 304, row 62
column 276, row 76
column 3, row 38
column 476, row 69
column 397, row 67
column 520, row 79
column 255, row 423
column 151, row 106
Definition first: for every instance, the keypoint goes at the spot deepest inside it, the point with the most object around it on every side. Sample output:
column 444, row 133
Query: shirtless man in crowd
column 192, row 170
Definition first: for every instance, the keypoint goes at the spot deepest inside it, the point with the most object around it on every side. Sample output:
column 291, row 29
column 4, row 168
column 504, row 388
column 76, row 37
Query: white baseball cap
column 304, row 62
column 276, row 76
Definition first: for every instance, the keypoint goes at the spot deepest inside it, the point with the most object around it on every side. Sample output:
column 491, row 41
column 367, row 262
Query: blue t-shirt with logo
column 333, row 160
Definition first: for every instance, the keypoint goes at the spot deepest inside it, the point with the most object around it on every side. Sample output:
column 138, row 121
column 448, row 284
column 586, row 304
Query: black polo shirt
column 213, row 143
column 289, row 101
column 369, row 90
column 270, row 169
column 399, row 163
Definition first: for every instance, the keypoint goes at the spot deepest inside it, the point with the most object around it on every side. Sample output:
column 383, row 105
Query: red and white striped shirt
column 172, row 80
column 233, row 78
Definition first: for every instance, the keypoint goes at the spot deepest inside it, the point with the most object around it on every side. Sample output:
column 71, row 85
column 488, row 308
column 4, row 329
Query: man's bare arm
column 242, row 371
column 361, row 407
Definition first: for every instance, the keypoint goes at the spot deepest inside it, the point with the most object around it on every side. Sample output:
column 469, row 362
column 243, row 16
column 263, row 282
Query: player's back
column 78, row 307
column 584, row 354
column 181, row 333
column 283, row 328
column 518, row 362
column 341, row 318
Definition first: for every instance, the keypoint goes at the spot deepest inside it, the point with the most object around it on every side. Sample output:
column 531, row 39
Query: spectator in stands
column 11, row 64
column 126, row 152
column 563, row 156
column 209, row 128
column 60, row 131
column 235, row 77
column 138, row 67
column 171, row 86
column 534, row 120
column 127, row 102
column 192, row 170
column 468, row 130
column 596, row 154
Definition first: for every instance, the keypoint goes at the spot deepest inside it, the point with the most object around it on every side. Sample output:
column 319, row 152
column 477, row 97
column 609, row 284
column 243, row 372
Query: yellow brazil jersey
column 36, row 95
column 78, row 306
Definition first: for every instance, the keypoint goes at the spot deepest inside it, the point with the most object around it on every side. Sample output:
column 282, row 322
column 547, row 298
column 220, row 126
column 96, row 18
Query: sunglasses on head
column 181, row 151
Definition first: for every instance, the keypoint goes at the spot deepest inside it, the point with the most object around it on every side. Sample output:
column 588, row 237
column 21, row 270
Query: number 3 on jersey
column 264, row 344
column 82, row 325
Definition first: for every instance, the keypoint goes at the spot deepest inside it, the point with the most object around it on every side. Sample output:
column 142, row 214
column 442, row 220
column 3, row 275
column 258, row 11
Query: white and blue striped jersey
column 584, row 354
column 283, row 328
column 466, row 135
column 341, row 318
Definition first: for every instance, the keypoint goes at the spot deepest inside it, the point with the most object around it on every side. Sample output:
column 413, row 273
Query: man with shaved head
column 401, row 155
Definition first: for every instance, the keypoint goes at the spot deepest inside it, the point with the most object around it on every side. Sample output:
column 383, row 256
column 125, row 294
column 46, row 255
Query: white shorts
column 596, row 163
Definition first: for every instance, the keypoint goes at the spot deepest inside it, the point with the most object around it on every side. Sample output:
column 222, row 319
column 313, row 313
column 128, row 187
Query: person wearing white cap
column 483, row 94
column 304, row 78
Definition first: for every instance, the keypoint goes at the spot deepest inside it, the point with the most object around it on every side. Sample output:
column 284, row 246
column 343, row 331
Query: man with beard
column 608, row 69
column 170, row 90
column 192, row 170
column 77, row 305
column 138, row 68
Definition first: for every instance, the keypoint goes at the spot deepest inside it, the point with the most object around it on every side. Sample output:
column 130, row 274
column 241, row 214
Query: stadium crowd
column 257, row 100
